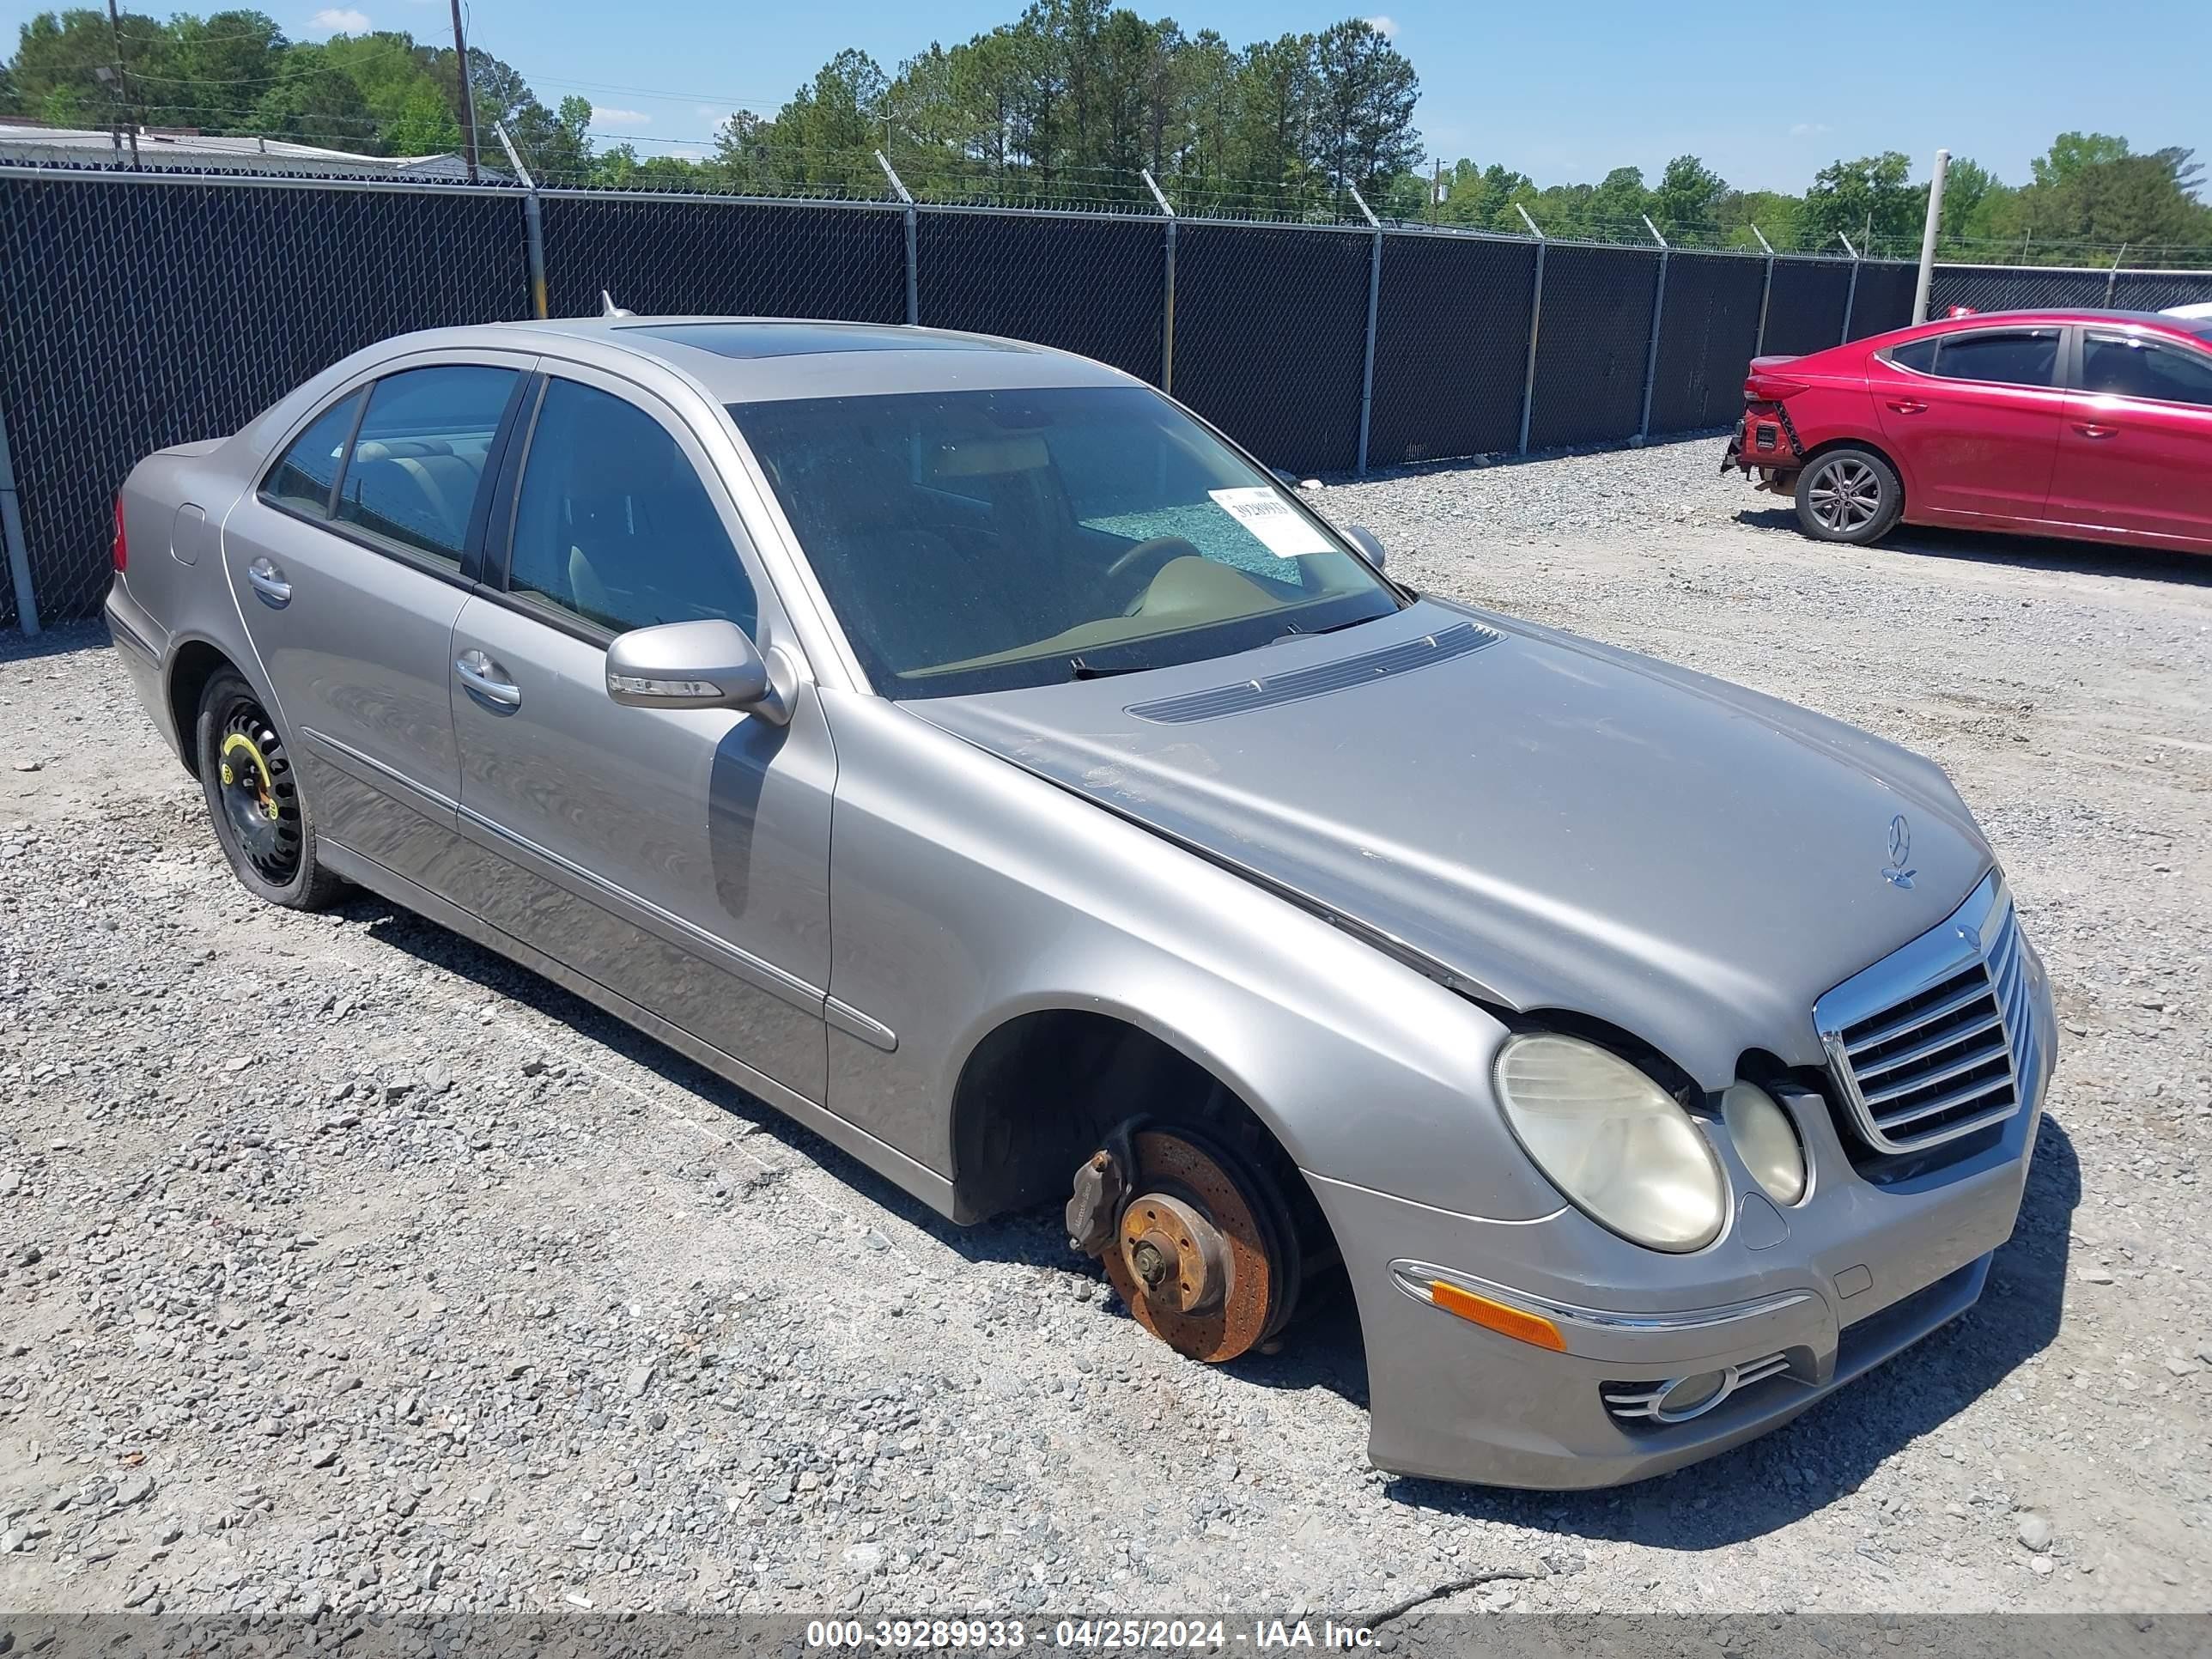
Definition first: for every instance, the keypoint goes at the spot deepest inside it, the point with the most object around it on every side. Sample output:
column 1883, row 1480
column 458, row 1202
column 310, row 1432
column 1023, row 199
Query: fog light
column 1688, row 1395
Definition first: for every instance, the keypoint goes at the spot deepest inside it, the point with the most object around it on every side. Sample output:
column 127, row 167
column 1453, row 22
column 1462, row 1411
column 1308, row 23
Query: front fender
column 966, row 892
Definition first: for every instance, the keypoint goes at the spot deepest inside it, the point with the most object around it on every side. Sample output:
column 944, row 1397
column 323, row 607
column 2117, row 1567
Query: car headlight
column 1765, row 1140
column 1618, row 1145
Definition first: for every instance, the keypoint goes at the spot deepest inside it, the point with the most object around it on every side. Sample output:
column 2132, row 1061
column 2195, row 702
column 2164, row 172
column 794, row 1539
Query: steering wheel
column 1157, row 551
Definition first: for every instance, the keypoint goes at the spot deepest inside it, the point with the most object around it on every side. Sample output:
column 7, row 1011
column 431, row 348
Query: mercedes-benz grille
column 1934, row 1041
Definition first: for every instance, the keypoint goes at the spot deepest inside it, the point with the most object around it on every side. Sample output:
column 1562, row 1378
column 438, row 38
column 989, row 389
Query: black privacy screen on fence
column 1270, row 337
column 1593, row 342
column 137, row 315
column 139, row 310
column 1093, row 286
column 2012, row 290
column 1708, row 327
column 1451, row 347
column 1805, row 309
column 2154, row 290
column 672, row 257
column 1883, row 299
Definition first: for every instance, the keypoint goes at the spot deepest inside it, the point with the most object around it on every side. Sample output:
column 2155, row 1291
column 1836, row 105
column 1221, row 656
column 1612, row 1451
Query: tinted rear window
column 1919, row 355
column 2012, row 357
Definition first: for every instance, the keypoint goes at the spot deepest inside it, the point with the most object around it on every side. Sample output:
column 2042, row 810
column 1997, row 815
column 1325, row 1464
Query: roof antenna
column 609, row 308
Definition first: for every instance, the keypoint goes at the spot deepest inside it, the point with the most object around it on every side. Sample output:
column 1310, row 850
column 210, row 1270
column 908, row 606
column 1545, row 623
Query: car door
column 1973, row 418
column 678, row 857
column 351, row 562
column 2136, row 450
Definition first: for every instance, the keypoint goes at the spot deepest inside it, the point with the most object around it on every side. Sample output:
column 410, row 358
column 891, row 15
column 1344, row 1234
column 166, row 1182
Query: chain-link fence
column 137, row 316
column 139, row 310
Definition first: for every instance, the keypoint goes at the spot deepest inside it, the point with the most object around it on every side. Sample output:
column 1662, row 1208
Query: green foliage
column 1873, row 199
column 1688, row 191
column 315, row 102
column 425, row 125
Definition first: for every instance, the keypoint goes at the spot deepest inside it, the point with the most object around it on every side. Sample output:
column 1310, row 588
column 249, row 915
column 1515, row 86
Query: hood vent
column 1266, row 690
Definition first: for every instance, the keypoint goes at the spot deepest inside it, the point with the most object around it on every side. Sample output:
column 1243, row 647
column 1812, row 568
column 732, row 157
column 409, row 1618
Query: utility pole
column 468, row 99
column 122, row 91
column 1928, row 233
column 1437, row 190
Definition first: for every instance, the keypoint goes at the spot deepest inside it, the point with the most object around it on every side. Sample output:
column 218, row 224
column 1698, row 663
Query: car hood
column 1551, row 824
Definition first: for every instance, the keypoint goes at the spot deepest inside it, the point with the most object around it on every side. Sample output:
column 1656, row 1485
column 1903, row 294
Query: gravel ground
column 345, row 1269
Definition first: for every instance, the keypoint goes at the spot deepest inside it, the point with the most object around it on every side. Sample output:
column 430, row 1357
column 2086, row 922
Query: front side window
column 2020, row 357
column 419, row 459
column 972, row 541
column 613, row 525
column 303, row 475
column 2125, row 366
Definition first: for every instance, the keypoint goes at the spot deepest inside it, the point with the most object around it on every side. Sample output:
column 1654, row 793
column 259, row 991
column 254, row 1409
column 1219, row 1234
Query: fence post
column 534, row 223
column 1765, row 293
column 1651, row 352
column 1167, row 292
column 11, row 528
column 1536, row 319
column 2112, row 276
column 1851, row 294
column 1374, row 311
column 913, row 266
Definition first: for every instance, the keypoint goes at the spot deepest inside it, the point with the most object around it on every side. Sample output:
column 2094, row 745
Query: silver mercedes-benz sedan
column 971, row 752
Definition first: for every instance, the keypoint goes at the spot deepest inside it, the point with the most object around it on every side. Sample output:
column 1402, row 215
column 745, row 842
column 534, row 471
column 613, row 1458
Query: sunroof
column 806, row 339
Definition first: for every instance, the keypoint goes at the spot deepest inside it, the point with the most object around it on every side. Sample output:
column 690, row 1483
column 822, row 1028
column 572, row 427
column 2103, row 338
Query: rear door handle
column 487, row 680
column 2096, row 429
column 269, row 582
column 1908, row 405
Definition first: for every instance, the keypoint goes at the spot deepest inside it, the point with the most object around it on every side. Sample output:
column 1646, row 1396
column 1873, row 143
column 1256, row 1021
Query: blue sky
column 1764, row 94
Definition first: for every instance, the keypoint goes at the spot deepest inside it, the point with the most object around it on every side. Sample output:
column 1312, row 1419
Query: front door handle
column 486, row 679
column 267, row 580
column 2096, row 429
column 1908, row 405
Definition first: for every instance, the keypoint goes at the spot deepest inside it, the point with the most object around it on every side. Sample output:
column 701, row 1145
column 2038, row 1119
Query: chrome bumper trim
column 1413, row 1279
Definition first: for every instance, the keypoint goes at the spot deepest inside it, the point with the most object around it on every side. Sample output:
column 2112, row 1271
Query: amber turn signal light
column 1528, row 1328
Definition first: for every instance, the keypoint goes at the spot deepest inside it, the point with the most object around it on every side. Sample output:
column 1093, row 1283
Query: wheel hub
column 256, row 793
column 1198, row 1245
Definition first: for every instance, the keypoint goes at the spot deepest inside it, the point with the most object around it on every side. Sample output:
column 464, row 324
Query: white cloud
column 336, row 20
column 605, row 115
column 1385, row 26
column 1808, row 129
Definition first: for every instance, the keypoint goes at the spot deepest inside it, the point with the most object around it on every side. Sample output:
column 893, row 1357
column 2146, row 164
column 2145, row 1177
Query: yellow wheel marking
column 238, row 743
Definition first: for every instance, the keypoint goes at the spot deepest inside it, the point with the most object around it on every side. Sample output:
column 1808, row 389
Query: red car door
column 2136, row 450
column 1974, row 418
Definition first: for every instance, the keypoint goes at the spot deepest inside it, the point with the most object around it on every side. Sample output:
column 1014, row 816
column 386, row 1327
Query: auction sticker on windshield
column 1283, row 531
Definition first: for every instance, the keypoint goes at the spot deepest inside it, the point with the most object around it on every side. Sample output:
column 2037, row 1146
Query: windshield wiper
column 1333, row 628
column 1080, row 670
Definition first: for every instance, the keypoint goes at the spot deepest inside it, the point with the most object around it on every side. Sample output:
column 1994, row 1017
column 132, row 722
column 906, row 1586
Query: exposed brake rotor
column 1199, row 1243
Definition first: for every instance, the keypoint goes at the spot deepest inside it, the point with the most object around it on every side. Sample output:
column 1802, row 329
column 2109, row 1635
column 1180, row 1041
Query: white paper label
column 1281, row 529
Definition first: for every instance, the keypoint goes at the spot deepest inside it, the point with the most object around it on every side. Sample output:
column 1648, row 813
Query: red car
column 2088, row 423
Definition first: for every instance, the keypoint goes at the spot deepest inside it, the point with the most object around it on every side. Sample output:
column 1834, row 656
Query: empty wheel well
column 196, row 663
column 1038, row 1095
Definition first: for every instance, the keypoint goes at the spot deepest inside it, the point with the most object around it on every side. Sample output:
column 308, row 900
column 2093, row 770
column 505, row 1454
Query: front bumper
column 1857, row 1273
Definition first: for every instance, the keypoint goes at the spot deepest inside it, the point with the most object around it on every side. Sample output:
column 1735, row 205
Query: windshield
column 973, row 541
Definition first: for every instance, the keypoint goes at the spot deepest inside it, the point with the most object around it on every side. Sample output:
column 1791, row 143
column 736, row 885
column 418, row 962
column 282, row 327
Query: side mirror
column 694, row 665
column 1369, row 549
